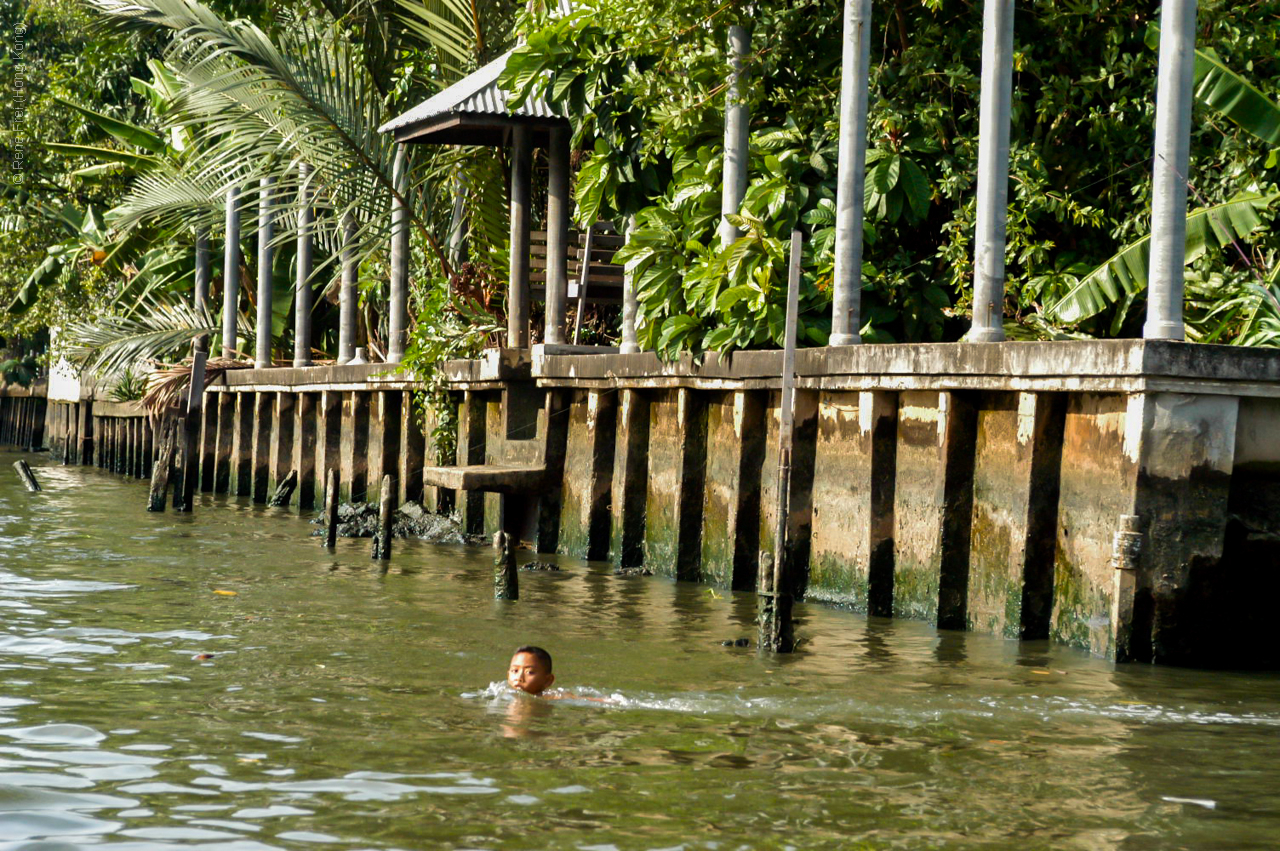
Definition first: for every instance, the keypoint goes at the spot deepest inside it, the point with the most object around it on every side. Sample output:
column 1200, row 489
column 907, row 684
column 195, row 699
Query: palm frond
column 160, row 328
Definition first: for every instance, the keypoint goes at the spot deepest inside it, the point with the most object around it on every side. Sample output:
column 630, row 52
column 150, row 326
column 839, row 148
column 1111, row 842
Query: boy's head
column 530, row 670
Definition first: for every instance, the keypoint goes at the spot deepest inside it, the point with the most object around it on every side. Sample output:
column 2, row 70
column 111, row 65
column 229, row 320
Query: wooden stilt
column 163, row 467
column 386, row 510
column 284, row 491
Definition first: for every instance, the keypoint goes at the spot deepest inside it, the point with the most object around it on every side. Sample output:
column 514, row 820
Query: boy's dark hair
column 537, row 652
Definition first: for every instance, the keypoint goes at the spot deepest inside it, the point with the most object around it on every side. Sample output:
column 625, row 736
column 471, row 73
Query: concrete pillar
column 630, row 479
column 1185, row 448
column 851, row 558
column 630, row 301
column 737, row 127
column 677, row 474
column 329, row 437
column 302, row 286
column 305, row 433
column 1170, row 170
column 398, row 303
column 347, row 296
column 202, row 283
column 588, row 482
column 384, row 436
column 412, row 446
column 558, row 204
column 242, row 446
column 993, row 172
column 355, row 445
column 231, row 275
column 846, row 322
column 518, row 280
column 933, row 506
column 1015, row 499
column 263, row 416
column 223, row 451
column 471, row 450
column 731, row 496
column 282, row 439
column 208, row 441
column 262, row 355
column 799, row 508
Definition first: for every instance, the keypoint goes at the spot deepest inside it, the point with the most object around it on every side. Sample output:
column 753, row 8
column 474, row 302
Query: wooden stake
column 331, row 509
column 28, row 477
column 386, row 509
column 774, row 606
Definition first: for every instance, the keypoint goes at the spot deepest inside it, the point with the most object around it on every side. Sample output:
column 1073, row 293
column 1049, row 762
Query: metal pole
column 398, row 308
column 775, row 601
column 630, row 303
column 262, row 357
column 851, row 174
column 347, row 293
column 518, row 283
column 302, row 286
column 993, row 172
column 1169, row 170
column 202, row 283
column 231, row 275
column 737, row 123
column 557, row 234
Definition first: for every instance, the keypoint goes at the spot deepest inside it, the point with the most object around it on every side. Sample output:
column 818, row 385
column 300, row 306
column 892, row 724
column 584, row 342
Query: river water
column 220, row 681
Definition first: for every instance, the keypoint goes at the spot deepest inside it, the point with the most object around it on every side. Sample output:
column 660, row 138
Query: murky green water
column 348, row 709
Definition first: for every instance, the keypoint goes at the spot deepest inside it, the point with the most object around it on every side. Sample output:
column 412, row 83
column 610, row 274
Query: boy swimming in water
column 530, row 670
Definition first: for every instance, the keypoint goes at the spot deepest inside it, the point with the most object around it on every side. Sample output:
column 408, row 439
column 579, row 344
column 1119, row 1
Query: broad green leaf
column 915, row 185
column 130, row 134
column 885, row 175
column 1126, row 272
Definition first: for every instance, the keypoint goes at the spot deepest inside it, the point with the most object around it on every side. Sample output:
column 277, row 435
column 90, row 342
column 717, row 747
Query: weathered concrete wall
column 974, row 486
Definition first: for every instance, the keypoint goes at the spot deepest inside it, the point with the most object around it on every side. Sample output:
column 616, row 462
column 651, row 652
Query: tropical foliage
column 643, row 81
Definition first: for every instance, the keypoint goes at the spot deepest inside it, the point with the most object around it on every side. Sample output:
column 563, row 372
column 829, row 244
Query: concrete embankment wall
column 976, row 487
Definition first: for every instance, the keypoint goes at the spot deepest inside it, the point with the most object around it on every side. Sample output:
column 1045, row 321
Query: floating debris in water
column 1199, row 802
column 226, row 593
column 411, row 520
column 633, row 571
column 736, row 642
column 539, row 565
column 202, row 657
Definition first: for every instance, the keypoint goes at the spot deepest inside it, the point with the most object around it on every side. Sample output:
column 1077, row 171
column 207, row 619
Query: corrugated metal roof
column 477, row 93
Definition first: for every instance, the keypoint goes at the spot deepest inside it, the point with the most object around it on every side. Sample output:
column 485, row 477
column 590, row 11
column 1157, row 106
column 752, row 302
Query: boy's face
column 529, row 674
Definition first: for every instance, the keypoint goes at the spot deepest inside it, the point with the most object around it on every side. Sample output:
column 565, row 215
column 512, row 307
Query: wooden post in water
column 28, row 477
column 159, row 493
column 191, row 434
column 506, row 582
column 331, row 509
column 382, row 540
column 774, row 583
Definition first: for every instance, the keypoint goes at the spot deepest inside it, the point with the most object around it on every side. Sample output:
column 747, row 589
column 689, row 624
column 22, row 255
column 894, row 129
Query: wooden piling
column 331, row 509
column 163, row 468
column 28, row 477
column 386, row 511
column 506, row 581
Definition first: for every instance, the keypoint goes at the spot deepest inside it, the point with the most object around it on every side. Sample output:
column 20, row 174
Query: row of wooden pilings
column 22, row 421
column 249, row 442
